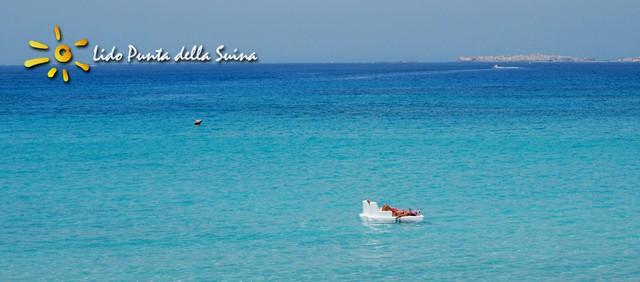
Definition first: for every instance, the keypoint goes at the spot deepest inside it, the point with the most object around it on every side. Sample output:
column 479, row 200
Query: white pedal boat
column 371, row 213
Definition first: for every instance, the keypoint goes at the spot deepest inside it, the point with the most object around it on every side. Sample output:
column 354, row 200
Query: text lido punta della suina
column 196, row 53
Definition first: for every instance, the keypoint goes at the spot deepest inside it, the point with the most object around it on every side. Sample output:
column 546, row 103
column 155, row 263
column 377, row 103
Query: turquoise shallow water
column 530, row 173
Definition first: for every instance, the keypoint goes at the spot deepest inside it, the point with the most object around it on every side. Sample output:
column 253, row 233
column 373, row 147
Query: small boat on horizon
column 497, row 66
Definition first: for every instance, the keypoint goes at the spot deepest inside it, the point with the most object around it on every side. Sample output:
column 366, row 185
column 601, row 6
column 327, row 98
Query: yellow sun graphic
column 62, row 55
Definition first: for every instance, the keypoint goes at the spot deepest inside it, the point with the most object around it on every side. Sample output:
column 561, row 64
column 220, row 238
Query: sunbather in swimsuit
column 399, row 212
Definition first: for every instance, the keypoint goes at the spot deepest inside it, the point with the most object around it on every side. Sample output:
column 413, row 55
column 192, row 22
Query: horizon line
column 329, row 63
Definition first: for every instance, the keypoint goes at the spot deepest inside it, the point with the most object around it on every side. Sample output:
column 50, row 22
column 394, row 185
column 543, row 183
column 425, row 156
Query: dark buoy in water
column 197, row 122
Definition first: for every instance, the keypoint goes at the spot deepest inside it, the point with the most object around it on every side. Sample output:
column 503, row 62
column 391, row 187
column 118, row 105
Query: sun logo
column 62, row 55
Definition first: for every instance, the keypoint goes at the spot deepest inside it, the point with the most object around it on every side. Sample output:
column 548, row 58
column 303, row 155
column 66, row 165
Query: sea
column 528, row 173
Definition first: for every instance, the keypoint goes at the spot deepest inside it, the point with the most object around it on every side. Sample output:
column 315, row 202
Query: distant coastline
column 629, row 60
column 539, row 58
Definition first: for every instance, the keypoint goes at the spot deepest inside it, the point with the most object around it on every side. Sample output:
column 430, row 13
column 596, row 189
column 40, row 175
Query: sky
column 288, row 31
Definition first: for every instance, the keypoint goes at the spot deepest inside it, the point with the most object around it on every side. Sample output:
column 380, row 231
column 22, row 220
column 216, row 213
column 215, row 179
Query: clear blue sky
column 322, row 31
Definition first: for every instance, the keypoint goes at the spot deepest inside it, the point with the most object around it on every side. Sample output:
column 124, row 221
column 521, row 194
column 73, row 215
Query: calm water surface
column 529, row 173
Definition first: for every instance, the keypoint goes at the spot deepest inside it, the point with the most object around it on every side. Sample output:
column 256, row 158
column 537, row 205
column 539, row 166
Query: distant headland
column 629, row 60
column 538, row 58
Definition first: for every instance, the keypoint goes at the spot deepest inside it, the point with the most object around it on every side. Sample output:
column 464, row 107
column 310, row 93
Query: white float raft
column 372, row 213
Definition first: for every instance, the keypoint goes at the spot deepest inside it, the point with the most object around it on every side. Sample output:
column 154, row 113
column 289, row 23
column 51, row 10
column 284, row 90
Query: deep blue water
column 530, row 173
